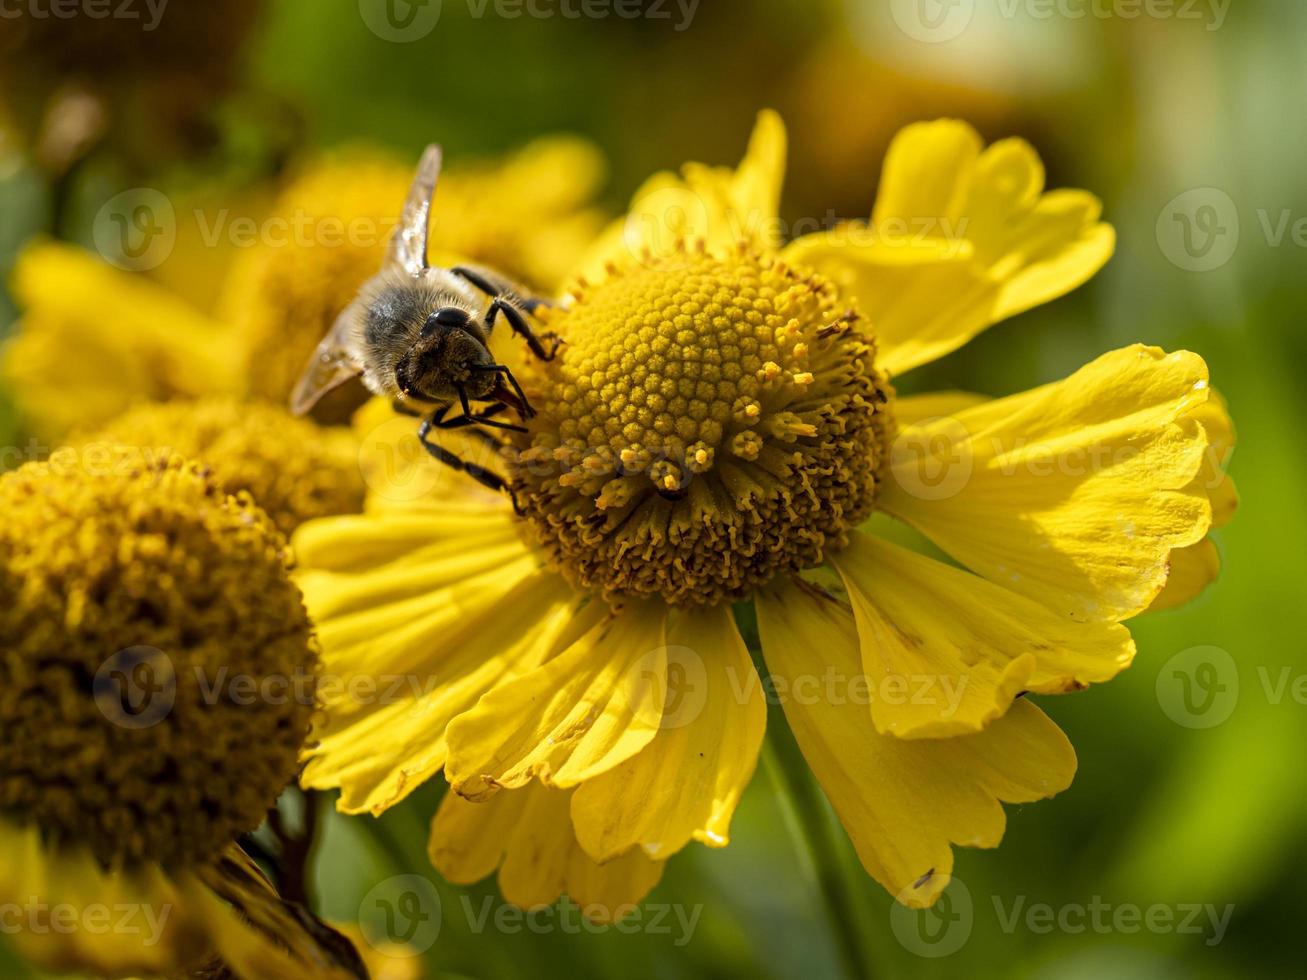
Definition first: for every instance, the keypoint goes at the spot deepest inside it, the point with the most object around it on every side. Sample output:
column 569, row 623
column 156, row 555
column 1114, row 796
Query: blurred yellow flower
column 123, row 781
column 718, row 427
column 294, row 470
column 94, row 339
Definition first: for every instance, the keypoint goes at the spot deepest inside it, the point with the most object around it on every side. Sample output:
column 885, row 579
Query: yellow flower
column 717, row 428
column 131, row 590
column 94, row 339
column 527, row 214
column 294, row 470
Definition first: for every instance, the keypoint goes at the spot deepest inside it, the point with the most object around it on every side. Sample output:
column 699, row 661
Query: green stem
column 806, row 817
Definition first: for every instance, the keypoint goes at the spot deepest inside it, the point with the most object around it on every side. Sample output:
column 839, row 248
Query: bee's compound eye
column 444, row 319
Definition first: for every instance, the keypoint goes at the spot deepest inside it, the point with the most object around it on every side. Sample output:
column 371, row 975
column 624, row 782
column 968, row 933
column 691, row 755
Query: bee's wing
column 330, row 366
column 408, row 246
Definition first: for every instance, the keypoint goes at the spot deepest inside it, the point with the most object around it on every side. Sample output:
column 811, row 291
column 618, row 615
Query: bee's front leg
column 487, row 478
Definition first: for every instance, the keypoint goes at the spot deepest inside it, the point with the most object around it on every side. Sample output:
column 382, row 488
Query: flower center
column 709, row 423
column 145, row 614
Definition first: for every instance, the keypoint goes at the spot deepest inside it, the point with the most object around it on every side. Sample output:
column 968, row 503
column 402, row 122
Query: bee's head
column 447, row 354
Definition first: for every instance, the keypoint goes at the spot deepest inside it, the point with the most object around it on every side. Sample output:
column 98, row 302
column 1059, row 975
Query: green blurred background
column 1140, row 103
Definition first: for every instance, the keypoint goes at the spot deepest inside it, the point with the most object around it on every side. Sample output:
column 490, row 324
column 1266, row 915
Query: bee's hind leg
column 487, row 478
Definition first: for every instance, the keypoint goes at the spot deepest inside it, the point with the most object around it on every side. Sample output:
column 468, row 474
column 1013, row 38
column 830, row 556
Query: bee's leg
column 485, row 477
column 438, row 421
column 493, row 290
column 523, row 329
column 401, row 409
column 483, row 417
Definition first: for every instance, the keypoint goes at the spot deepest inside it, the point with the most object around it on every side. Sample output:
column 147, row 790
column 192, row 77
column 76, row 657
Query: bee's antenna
column 408, row 246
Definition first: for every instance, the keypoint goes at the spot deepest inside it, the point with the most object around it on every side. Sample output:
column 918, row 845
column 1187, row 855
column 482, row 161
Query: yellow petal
column 716, row 205
column 912, row 409
column 928, row 171
column 527, row 834
column 94, row 339
column 596, row 704
column 35, row 877
column 1075, row 493
column 359, row 543
column 960, row 239
column 252, row 931
column 391, row 695
column 179, row 923
column 947, row 652
column 1196, row 567
column 419, row 613
column 686, row 783
column 903, row 802
column 1193, row 569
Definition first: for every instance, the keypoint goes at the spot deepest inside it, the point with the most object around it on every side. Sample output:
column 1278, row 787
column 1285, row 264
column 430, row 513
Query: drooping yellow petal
column 391, row 689
column 527, row 834
column 1196, row 567
column 35, row 876
column 947, row 652
column 143, row 921
column 1193, row 569
column 419, row 613
column 903, row 802
column 590, row 708
column 716, row 205
column 686, row 783
column 960, row 239
column 1074, row 494
column 252, row 931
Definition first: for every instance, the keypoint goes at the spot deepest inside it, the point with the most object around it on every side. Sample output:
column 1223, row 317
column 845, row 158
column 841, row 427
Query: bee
column 420, row 335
